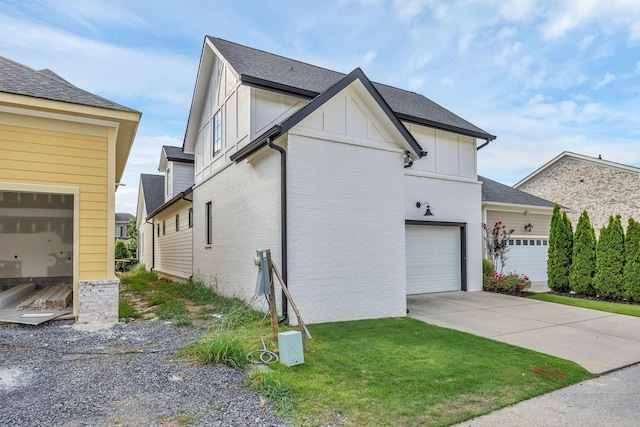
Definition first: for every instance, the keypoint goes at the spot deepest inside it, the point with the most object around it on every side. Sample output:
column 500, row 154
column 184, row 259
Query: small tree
column 584, row 258
column 610, row 260
column 496, row 242
column 121, row 252
column 132, row 232
column 560, row 251
column 631, row 270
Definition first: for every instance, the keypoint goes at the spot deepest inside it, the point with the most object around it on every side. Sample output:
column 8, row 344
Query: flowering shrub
column 496, row 241
column 510, row 282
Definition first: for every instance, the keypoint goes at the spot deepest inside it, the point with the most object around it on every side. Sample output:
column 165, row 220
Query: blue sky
column 544, row 76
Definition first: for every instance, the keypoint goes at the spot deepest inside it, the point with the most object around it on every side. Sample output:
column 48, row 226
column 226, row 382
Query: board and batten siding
column 173, row 249
column 48, row 152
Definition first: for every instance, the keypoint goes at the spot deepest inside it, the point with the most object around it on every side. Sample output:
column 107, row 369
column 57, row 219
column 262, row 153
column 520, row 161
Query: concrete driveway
column 597, row 340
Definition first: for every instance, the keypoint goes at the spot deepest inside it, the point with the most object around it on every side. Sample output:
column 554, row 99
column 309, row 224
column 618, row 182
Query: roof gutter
column 283, row 220
column 480, row 147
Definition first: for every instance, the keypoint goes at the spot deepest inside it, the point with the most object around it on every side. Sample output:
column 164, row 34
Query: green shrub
column 631, row 271
column 226, row 348
column 508, row 283
column 584, row 258
column 487, row 270
column 608, row 280
column 560, row 251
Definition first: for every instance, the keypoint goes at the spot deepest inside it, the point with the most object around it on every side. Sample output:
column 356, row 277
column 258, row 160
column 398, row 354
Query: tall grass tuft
column 226, row 348
column 269, row 385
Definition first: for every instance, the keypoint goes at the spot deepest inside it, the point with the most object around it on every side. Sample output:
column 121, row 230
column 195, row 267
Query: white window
column 118, row 232
column 209, row 223
column 168, row 183
column 217, row 132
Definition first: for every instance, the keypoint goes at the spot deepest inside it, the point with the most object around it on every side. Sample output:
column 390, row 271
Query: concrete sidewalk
column 597, row 340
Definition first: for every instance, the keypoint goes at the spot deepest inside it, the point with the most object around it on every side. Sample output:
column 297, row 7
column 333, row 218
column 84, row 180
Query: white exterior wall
column 268, row 109
column 173, row 249
column 447, row 179
column 346, row 218
column 246, row 216
column 180, row 178
column 145, row 232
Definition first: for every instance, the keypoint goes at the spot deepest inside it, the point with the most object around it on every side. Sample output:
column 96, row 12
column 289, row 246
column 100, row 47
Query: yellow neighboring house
column 62, row 154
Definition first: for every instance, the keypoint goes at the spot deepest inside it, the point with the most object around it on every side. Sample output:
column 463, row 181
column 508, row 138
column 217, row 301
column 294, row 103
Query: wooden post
column 303, row 327
column 272, row 300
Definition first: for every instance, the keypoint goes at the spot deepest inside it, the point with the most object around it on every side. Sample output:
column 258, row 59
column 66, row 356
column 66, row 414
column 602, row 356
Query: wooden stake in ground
column 273, row 312
column 303, row 327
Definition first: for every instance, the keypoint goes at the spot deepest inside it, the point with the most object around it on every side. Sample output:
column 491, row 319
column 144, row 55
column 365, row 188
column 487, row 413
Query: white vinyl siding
column 173, row 250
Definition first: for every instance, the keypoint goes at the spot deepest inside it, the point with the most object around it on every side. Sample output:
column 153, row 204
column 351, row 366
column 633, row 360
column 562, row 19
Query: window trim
column 208, row 215
column 216, row 133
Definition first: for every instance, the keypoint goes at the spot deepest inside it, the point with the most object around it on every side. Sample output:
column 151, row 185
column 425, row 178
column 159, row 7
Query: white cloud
column 89, row 13
column 586, row 41
column 516, row 10
column 608, row 78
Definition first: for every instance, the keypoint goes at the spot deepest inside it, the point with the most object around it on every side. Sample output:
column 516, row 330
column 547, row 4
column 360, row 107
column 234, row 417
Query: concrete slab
column 616, row 325
column 599, row 341
column 485, row 323
column 550, row 313
column 597, row 353
column 539, row 287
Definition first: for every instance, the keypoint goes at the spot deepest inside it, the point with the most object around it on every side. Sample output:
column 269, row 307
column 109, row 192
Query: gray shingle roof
column 273, row 71
column 175, row 154
column 493, row 191
column 18, row 79
column 153, row 191
column 123, row 217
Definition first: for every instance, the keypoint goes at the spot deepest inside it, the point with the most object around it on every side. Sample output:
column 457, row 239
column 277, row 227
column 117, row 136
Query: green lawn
column 403, row 372
column 386, row 372
column 611, row 307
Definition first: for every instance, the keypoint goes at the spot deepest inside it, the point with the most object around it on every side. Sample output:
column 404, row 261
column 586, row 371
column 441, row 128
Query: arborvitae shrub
column 631, row 271
column 560, row 252
column 608, row 280
column 584, row 258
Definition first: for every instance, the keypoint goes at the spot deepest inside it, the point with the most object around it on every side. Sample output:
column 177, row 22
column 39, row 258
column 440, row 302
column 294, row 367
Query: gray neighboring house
column 529, row 216
column 122, row 225
column 150, row 197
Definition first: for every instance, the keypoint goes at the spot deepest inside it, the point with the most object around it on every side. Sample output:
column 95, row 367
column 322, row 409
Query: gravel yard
column 55, row 375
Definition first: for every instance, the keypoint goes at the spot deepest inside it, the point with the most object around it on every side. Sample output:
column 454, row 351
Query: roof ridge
column 278, row 55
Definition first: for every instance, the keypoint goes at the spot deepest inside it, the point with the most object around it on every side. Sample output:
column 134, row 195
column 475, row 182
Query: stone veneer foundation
column 98, row 303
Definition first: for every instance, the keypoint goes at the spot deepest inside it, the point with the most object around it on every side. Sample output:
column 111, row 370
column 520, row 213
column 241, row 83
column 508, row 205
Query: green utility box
column 290, row 345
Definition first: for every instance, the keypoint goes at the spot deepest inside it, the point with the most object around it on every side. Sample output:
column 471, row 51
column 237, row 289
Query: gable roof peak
column 269, row 71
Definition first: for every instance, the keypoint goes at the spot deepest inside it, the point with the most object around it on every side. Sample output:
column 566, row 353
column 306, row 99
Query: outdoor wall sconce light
column 428, row 212
column 528, row 227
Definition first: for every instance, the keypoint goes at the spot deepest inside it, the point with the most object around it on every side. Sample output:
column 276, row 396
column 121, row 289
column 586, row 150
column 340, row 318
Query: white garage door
column 433, row 259
column 528, row 257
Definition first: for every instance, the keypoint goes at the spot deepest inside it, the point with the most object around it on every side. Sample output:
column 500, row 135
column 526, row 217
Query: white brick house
column 601, row 187
column 334, row 174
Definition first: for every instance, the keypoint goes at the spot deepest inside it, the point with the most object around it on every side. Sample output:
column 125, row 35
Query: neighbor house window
column 178, row 222
column 167, row 184
column 118, row 232
column 209, row 217
column 190, row 217
column 158, row 230
column 217, row 132
column 164, row 228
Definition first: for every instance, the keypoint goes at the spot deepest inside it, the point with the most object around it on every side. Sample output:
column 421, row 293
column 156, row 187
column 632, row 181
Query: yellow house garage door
column 433, row 259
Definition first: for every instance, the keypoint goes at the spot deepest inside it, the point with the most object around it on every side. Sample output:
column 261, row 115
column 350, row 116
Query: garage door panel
column 530, row 259
column 433, row 259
